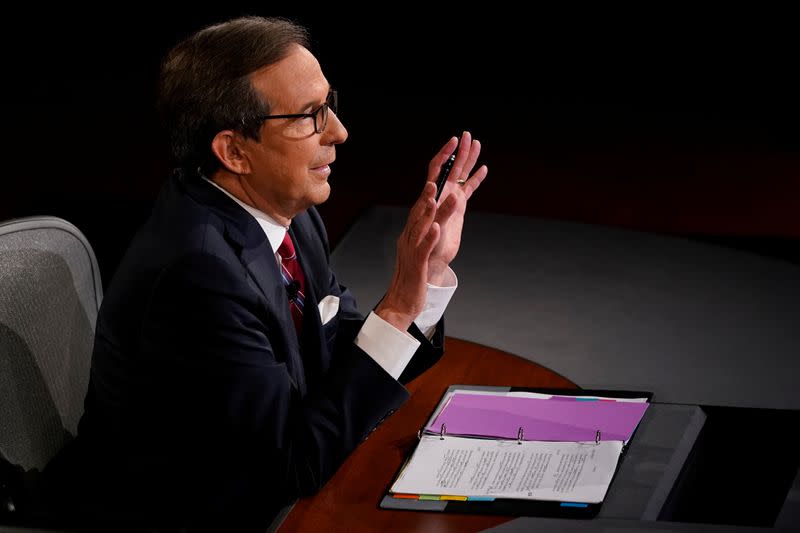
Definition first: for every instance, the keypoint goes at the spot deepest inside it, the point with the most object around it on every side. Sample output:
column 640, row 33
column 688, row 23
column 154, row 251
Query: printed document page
column 532, row 470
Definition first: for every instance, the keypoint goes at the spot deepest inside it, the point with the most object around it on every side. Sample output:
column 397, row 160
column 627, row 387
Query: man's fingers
column 426, row 221
column 420, row 220
column 472, row 158
column 464, row 148
column 475, row 181
column 438, row 160
column 428, row 192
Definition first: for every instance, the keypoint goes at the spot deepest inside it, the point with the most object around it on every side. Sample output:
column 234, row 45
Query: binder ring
column 520, row 433
column 597, row 437
column 442, row 431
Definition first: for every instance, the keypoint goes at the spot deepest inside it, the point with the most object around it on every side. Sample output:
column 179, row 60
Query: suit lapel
column 248, row 239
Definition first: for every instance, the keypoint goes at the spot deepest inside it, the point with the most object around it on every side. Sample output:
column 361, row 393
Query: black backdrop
column 668, row 121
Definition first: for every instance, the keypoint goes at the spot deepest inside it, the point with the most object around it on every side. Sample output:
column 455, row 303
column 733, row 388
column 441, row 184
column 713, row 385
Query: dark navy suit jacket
column 203, row 405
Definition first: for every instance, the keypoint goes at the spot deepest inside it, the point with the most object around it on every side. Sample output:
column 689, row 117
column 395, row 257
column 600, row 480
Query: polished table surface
column 349, row 501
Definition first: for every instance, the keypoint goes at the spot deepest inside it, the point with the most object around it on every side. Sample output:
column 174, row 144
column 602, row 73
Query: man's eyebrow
column 316, row 103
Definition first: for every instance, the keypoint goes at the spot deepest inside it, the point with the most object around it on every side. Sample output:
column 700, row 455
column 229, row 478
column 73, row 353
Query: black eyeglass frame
column 331, row 103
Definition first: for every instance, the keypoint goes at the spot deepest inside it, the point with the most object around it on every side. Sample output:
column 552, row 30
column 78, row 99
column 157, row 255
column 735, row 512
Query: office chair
column 50, row 292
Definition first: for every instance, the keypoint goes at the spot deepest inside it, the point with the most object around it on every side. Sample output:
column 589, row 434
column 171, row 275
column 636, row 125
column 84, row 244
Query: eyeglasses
column 320, row 114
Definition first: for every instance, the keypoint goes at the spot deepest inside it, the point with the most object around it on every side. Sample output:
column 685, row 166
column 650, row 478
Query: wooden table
column 349, row 501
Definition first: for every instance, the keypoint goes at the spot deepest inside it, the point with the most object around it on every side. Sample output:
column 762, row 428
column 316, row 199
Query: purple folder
column 551, row 420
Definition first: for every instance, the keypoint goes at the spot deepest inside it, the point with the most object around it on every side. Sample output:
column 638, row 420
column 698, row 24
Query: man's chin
column 321, row 193
column 326, row 193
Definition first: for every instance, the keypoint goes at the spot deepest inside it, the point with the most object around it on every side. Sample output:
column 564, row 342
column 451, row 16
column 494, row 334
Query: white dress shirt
column 391, row 348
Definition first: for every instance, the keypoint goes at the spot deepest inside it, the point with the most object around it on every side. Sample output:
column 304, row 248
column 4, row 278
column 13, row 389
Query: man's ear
column 227, row 145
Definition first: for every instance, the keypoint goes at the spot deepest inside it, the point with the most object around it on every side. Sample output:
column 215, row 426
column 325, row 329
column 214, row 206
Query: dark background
column 674, row 122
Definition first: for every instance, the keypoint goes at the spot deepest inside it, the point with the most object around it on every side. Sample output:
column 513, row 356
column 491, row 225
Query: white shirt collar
column 275, row 232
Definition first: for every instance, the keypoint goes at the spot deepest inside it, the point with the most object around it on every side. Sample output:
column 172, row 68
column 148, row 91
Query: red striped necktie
column 293, row 280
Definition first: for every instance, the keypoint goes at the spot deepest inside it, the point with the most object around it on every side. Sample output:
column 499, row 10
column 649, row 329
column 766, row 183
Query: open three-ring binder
column 534, row 452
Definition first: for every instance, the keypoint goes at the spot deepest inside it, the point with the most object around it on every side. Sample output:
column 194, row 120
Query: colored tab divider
column 574, row 504
column 442, row 497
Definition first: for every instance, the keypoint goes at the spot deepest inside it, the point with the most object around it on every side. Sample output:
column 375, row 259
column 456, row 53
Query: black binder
column 509, row 506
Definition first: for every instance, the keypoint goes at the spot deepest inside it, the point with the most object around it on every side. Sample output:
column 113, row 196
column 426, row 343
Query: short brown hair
column 205, row 85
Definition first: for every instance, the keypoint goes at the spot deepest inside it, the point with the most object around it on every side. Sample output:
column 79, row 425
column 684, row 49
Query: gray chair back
column 50, row 292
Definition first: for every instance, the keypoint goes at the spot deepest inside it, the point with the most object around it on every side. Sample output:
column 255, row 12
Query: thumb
column 431, row 239
column 446, row 210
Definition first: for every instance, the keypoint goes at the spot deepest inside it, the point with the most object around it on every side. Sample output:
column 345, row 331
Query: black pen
column 443, row 173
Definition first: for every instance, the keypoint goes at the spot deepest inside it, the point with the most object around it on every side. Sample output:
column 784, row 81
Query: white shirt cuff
column 436, row 303
column 391, row 348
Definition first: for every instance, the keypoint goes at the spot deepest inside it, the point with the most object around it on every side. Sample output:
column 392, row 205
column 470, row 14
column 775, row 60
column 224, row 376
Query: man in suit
column 231, row 371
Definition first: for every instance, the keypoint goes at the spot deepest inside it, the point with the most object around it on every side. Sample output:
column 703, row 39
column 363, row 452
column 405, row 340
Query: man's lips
column 323, row 171
column 326, row 165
